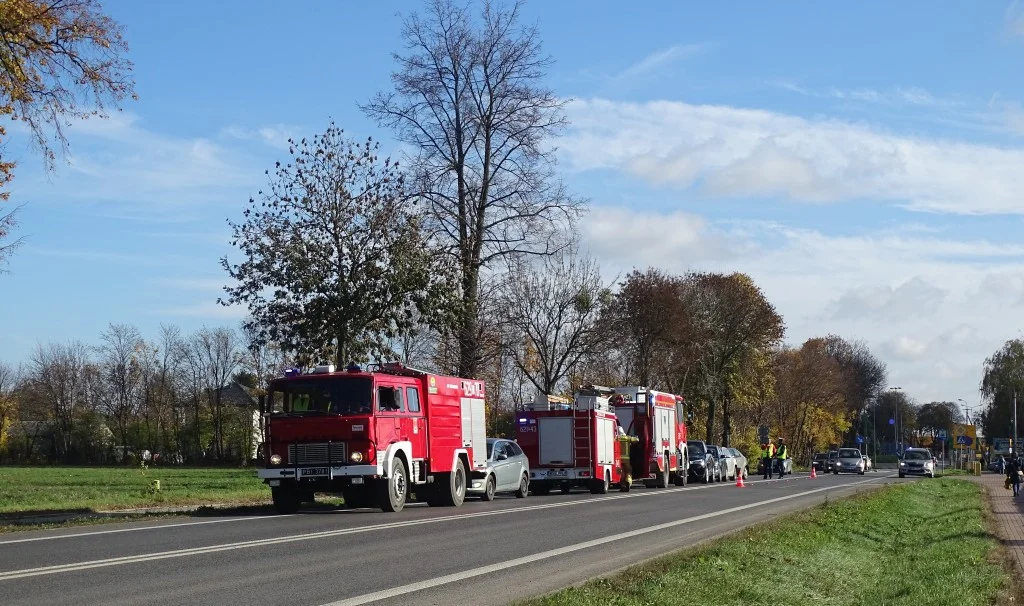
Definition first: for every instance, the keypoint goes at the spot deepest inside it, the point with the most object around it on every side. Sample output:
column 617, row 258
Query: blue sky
column 860, row 161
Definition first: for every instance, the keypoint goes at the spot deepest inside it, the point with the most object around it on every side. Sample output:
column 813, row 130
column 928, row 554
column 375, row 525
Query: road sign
column 964, row 440
column 762, row 433
column 892, row 421
column 942, row 434
column 860, row 439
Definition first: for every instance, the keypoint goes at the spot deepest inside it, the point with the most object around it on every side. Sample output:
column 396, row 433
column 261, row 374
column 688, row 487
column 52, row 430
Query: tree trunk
column 469, row 353
column 726, row 418
column 711, row 420
column 341, row 353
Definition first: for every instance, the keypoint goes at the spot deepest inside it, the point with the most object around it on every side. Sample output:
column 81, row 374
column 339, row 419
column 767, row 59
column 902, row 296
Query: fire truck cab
column 570, row 442
column 376, row 437
column 658, row 422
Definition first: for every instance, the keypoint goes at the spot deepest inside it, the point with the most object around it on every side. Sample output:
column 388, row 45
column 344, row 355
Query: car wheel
column 707, row 476
column 524, row 487
column 489, row 489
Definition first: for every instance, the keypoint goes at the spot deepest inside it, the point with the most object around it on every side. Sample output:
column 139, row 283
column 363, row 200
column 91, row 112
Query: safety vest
column 782, row 452
column 769, row 452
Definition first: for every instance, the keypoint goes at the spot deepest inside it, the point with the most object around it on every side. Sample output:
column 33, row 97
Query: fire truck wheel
column 393, row 491
column 600, row 486
column 524, row 487
column 488, row 494
column 286, row 499
column 454, row 493
column 662, row 481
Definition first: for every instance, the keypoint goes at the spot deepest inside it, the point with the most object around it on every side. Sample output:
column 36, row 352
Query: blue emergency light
column 292, row 372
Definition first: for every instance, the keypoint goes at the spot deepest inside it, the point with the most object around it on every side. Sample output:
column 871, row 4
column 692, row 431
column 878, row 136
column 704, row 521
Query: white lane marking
column 135, row 529
column 47, row 570
column 483, row 570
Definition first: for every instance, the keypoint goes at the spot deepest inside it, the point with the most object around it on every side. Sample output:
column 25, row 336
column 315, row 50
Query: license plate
column 314, row 471
column 556, row 472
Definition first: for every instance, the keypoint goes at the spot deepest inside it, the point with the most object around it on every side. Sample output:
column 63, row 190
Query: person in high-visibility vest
column 767, row 453
column 625, row 441
column 781, row 454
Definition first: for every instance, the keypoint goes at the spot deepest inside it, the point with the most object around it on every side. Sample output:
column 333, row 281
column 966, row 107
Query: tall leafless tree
column 122, row 376
column 59, row 376
column 469, row 97
column 552, row 308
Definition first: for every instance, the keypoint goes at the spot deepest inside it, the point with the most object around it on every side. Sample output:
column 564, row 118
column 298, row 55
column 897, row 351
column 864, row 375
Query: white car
column 741, row 461
column 726, row 461
column 507, row 470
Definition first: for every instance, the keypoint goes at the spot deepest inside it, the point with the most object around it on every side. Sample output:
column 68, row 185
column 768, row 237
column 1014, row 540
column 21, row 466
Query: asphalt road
column 479, row 554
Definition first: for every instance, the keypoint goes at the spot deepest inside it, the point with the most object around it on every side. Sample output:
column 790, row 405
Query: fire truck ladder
column 582, row 436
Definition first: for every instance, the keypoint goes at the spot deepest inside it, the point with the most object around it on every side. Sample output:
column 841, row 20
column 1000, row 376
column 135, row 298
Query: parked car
column 820, row 462
column 726, row 462
column 917, row 461
column 507, row 470
column 703, row 466
column 849, row 460
column 741, row 461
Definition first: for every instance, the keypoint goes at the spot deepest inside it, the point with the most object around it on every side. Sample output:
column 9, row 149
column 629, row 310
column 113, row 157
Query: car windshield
column 821, row 456
column 695, row 448
column 916, row 455
column 336, row 395
column 714, row 451
column 849, row 453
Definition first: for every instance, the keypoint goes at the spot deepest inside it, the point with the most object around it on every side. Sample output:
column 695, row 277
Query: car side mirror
column 501, row 456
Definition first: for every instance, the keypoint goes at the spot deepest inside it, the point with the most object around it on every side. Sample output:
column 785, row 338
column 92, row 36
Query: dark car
column 820, row 462
column 703, row 465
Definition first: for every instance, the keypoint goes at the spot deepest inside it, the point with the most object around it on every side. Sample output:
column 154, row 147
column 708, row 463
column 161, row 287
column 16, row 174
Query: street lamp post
column 896, row 421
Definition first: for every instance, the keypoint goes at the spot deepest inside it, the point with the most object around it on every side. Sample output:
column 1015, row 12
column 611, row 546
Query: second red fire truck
column 573, row 442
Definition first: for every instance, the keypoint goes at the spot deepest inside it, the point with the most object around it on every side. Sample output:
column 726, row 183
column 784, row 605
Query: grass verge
column 923, row 542
column 50, row 489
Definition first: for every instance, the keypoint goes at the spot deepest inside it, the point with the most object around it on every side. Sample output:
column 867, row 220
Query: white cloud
column 1014, row 23
column 117, row 162
column 275, row 136
column 660, row 59
column 925, row 305
column 723, row 151
column 898, row 97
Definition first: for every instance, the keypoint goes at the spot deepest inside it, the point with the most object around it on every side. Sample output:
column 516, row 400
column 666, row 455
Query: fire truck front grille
column 316, row 453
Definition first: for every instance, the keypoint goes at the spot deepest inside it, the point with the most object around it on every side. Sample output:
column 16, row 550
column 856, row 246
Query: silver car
column 917, row 461
column 849, row 460
column 741, row 461
column 507, row 470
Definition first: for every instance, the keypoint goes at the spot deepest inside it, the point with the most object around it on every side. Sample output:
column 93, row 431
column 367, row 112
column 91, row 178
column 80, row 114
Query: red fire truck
column 658, row 422
column 373, row 436
column 570, row 442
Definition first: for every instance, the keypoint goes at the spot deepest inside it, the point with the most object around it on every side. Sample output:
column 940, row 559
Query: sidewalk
column 1008, row 512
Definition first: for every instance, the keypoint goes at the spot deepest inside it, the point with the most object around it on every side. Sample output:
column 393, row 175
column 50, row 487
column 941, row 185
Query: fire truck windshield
column 337, row 395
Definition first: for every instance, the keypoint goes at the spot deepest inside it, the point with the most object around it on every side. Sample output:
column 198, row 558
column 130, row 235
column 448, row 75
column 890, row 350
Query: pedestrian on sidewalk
column 1013, row 472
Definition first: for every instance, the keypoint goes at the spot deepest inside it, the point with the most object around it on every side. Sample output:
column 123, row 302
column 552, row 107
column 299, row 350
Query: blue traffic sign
column 942, row 434
column 860, row 439
column 965, row 440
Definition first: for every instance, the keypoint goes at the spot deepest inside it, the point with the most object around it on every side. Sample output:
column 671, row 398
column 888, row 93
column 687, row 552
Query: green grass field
column 24, row 489
column 919, row 543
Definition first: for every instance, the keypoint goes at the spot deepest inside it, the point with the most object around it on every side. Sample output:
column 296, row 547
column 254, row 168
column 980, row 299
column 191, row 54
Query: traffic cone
column 813, row 474
column 739, row 479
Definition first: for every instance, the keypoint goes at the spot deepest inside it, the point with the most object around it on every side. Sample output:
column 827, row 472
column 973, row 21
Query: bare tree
column 216, row 352
column 469, row 98
column 59, row 376
column 552, row 307
column 122, row 374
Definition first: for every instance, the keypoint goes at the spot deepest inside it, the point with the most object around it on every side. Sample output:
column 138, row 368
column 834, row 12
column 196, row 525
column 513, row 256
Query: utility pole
column 896, row 420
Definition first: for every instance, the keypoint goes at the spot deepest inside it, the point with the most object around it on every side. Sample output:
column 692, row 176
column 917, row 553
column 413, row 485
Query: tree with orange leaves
column 59, row 60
